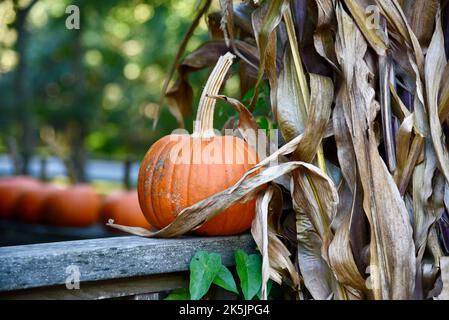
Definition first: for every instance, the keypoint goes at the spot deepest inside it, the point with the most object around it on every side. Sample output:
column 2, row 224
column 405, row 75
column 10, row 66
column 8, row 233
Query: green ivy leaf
column 249, row 270
column 204, row 267
column 225, row 280
column 179, row 294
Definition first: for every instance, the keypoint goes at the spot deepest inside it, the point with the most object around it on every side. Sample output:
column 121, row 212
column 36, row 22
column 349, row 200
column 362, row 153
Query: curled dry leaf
column 275, row 256
column 318, row 277
column 259, row 230
column 315, row 202
column 315, row 195
column 323, row 38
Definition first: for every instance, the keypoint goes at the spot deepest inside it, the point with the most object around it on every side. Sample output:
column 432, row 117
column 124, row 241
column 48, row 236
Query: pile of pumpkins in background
column 31, row 201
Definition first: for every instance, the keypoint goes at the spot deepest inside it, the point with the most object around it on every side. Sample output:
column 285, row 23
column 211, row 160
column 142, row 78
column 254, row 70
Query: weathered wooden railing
column 133, row 267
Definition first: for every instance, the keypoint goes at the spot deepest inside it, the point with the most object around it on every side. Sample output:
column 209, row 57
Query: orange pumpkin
column 10, row 190
column 123, row 207
column 30, row 205
column 180, row 170
column 76, row 206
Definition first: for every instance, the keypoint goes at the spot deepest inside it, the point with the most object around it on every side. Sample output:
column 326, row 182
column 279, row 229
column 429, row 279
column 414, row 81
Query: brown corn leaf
column 421, row 16
column 275, row 256
column 314, row 194
column 265, row 19
column 323, row 35
column 408, row 154
column 303, row 93
column 433, row 240
column 315, row 202
column 306, row 145
column 403, row 140
column 398, row 107
column 444, row 267
column 435, row 64
column 422, row 191
column 214, row 26
column 443, row 101
column 291, row 112
column 321, row 97
column 385, row 65
column 228, row 29
column 345, row 148
column 180, row 99
column 305, row 25
column 324, row 45
column 433, row 210
column 346, row 249
column 400, row 30
column 259, row 230
column 392, row 258
column 318, row 277
column 287, row 148
column 373, row 34
column 349, row 239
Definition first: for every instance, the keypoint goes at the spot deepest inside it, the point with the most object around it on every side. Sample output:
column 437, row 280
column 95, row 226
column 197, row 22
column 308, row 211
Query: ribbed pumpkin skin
column 123, row 207
column 77, row 206
column 165, row 188
column 10, row 190
column 30, row 205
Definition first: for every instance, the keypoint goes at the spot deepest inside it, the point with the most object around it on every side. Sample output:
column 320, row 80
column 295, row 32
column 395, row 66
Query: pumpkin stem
column 204, row 124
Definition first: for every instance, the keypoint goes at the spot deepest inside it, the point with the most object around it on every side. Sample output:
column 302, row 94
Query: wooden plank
column 138, row 288
column 50, row 264
column 146, row 296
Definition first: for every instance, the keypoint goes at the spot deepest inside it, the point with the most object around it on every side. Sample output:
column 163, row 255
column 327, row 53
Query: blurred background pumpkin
column 30, row 204
column 75, row 206
column 11, row 189
column 123, row 207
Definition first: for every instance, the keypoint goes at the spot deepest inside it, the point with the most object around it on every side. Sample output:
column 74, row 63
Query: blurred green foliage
column 122, row 54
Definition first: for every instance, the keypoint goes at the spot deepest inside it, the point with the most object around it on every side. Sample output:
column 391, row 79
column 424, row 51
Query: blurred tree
column 95, row 90
column 22, row 87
